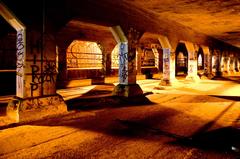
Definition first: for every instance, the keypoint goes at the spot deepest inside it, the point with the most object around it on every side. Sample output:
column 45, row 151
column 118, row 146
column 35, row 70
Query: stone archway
column 200, row 59
column 181, row 60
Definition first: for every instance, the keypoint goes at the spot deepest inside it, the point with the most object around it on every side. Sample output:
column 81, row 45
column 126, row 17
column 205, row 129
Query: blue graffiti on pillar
column 123, row 60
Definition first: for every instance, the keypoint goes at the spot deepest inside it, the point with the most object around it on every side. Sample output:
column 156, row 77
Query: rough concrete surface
column 188, row 121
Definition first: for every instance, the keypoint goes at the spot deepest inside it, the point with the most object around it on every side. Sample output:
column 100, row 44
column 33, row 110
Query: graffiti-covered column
column 207, row 62
column 168, row 62
column 217, row 55
column 21, row 55
column 127, row 86
column 225, row 63
column 222, row 63
column 156, row 56
column 192, row 62
column 237, row 64
column 231, row 64
column 40, row 69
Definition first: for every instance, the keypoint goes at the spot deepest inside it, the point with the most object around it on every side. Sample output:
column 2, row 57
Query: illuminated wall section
column 148, row 58
column 84, row 55
column 115, row 57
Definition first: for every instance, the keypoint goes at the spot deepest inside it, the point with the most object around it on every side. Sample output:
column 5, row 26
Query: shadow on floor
column 233, row 98
column 101, row 97
column 226, row 139
column 95, row 103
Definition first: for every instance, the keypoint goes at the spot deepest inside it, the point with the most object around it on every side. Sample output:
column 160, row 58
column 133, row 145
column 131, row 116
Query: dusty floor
column 187, row 121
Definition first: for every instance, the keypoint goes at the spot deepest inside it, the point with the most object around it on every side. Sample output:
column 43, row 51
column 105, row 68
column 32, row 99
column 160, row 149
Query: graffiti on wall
column 166, row 64
column 156, row 57
column 133, row 37
column 83, row 54
column 148, row 58
column 20, row 61
column 35, row 103
column 47, row 74
column 123, row 62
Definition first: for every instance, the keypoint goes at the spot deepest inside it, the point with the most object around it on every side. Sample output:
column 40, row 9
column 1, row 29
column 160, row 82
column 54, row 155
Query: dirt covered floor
column 184, row 121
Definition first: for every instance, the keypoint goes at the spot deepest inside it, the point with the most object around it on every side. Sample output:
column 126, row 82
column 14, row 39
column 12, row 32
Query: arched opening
column 181, row 60
column 115, row 61
column 200, row 60
column 148, row 58
column 84, row 60
column 149, row 62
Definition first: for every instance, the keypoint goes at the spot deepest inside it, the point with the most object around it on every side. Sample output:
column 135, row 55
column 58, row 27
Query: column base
column 171, row 82
column 28, row 109
column 130, row 90
column 192, row 78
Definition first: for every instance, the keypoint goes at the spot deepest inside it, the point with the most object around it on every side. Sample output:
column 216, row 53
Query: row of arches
column 181, row 59
column 86, row 55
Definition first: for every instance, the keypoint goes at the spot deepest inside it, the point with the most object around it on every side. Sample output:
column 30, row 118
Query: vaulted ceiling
column 193, row 20
column 217, row 18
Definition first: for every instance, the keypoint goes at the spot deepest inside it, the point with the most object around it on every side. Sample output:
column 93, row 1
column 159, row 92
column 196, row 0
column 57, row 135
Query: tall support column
column 156, row 57
column 228, row 65
column 40, row 69
column 36, row 73
column 207, row 62
column 168, row 62
column 236, row 63
column 231, row 63
column 226, row 61
column 21, row 60
column 127, row 86
column 222, row 63
column 217, row 65
column 192, row 62
column 139, row 60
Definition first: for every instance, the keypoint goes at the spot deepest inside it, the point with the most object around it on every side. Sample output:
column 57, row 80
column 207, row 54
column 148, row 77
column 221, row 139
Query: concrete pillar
column 156, row 57
column 127, row 86
column 36, row 73
column 37, row 97
column 168, row 62
column 231, row 64
column 217, row 61
column 207, row 62
column 192, row 62
column 139, row 60
column 236, row 63
column 222, row 63
column 226, row 61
